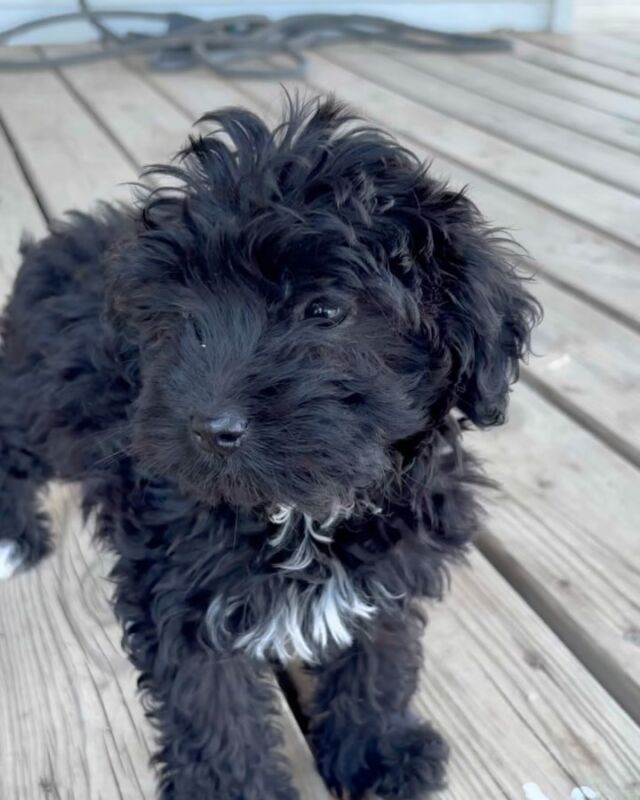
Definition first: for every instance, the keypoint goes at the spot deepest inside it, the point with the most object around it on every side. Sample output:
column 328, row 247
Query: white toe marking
column 10, row 558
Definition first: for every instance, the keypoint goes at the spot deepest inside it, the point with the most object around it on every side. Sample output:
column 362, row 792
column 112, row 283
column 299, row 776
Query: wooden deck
column 533, row 666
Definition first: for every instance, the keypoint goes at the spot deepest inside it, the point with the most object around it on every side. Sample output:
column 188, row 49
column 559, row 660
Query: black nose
column 224, row 433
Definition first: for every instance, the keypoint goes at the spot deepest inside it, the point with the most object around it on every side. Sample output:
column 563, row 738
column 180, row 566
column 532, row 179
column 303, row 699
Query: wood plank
column 78, row 159
column 605, row 208
column 593, row 49
column 578, row 68
column 567, row 252
column 564, row 529
column 71, row 725
column 578, row 91
column 406, row 75
column 471, row 73
column 155, row 128
column 615, row 44
column 516, row 705
column 19, row 213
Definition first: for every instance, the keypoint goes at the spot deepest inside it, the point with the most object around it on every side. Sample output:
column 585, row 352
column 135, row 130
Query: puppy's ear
column 472, row 276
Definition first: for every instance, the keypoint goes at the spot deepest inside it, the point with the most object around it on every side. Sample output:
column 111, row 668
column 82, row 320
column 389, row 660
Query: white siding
column 452, row 15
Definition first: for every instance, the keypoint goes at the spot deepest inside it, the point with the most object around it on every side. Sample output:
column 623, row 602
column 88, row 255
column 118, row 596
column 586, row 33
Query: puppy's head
column 307, row 305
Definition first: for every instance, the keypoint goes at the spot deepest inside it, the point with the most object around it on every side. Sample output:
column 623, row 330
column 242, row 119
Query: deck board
column 563, row 63
column 18, row 211
column 70, row 157
column 564, row 528
column 559, row 84
column 605, row 208
column 518, row 705
column 594, row 50
column 417, row 76
column 471, row 73
column 513, row 704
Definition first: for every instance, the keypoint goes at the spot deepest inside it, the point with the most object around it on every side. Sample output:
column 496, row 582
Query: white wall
column 452, row 15
column 603, row 15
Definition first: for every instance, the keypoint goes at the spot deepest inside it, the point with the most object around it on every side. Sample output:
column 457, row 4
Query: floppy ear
column 485, row 313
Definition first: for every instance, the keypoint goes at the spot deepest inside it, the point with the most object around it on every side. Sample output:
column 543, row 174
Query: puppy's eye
column 326, row 311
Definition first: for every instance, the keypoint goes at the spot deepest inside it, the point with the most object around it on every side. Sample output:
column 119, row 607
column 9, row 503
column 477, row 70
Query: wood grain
column 595, row 50
column 515, row 704
column 585, row 70
column 570, row 148
column 567, row 115
column 70, row 158
column 607, row 209
column 565, row 529
column 469, row 73
column 591, row 95
column 19, row 213
column 71, row 725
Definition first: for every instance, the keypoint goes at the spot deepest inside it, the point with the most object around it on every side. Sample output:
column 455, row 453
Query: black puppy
column 256, row 376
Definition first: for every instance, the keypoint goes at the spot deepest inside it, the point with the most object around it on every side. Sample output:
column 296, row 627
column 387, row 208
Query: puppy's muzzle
column 222, row 434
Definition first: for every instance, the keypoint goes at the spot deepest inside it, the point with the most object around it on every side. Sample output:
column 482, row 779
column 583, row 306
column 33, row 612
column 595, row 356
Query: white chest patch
column 304, row 617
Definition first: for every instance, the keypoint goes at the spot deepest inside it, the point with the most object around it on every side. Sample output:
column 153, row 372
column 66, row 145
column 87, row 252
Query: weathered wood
column 406, row 76
column 516, row 705
column 555, row 83
column 616, row 44
column 564, row 529
column 155, row 128
column 19, row 213
column 71, row 724
column 63, row 159
column 593, row 49
column 470, row 73
column 564, row 251
column 609, row 210
column 578, row 68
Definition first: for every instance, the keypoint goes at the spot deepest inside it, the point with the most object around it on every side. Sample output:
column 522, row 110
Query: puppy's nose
column 224, row 433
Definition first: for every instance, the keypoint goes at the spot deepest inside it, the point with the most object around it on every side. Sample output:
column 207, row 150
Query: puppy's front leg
column 362, row 733
column 215, row 714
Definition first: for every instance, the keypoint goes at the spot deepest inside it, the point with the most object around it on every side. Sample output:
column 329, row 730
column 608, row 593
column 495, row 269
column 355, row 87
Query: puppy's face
column 307, row 309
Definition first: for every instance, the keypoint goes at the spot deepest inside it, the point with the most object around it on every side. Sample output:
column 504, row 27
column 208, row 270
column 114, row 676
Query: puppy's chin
column 324, row 506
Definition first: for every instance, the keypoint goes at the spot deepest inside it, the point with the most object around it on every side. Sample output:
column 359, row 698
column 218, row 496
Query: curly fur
column 351, row 493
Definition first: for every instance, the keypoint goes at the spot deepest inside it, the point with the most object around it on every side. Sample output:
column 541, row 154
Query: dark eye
column 326, row 310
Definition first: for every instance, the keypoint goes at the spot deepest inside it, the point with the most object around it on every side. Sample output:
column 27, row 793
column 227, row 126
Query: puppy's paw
column 411, row 762
column 12, row 557
column 405, row 762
